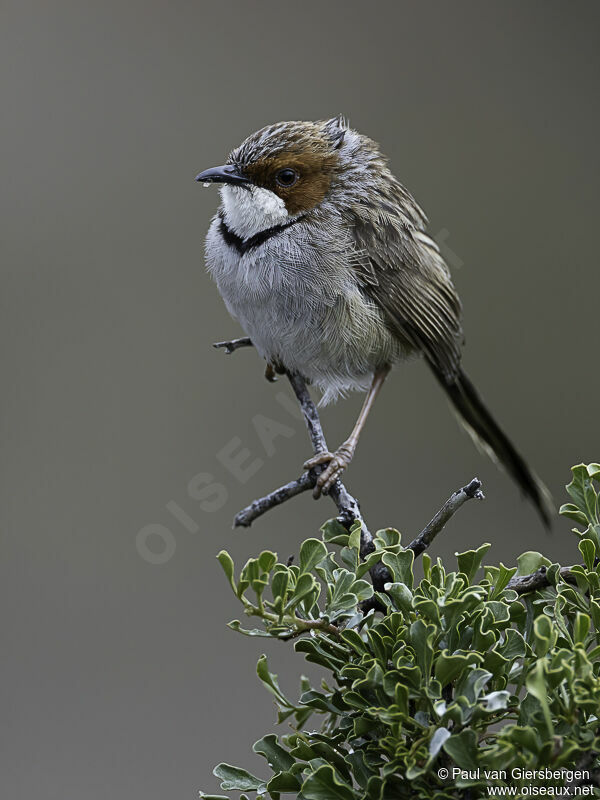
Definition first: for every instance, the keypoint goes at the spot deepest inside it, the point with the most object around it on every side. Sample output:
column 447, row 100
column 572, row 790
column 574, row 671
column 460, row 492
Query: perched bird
column 323, row 257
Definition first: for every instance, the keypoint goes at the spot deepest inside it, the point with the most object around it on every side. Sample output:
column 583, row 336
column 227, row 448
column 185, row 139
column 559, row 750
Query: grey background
column 119, row 678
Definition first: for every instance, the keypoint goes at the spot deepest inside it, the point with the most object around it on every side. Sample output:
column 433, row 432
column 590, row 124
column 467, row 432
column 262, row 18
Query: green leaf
column 306, row 583
column 267, row 560
column 400, row 595
column 350, row 558
column 258, row 586
column 360, row 769
column 426, row 562
column 312, row 552
column 236, row 626
column 595, row 614
column 462, row 749
column 355, row 641
column 581, row 628
column 318, row 655
column 269, row 680
column 334, row 532
column 494, row 701
column 323, row 784
column 594, row 471
column 238, row 779
column 470, row 561
column 537, row 686
column 513, row 645
column 448, row 667
column 370, row 561
column 277, row 758
column 400, row 565
column 504, row 576
column 570, row 510
column 543, row 635
column 388, row 537
column 226, row 562
column 346, row 592
column 440, row 735
column 530, row 562
column 421, row 637
column 280, row 582
column 582, row 492
column 284, row 782
column 354, row 538
column 588, row 551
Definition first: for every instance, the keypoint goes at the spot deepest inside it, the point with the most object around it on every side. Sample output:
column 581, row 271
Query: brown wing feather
column 413, row 285
column 408, row 279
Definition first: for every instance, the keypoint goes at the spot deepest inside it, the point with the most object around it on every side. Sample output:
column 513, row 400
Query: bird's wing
column 403, row 272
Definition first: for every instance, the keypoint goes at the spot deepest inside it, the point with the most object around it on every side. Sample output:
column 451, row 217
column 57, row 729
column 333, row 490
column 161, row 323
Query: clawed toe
column 336, row 464
column 320, row 458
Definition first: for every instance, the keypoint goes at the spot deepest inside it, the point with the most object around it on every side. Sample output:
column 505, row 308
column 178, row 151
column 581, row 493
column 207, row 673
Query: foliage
column 455, row 671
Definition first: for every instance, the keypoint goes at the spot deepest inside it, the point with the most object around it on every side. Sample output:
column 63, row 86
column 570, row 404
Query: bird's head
column 281, row 172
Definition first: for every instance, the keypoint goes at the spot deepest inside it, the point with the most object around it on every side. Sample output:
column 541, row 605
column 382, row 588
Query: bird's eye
column 286, row 177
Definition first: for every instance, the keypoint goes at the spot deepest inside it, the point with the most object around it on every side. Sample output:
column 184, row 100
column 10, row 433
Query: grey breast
column 296, row 298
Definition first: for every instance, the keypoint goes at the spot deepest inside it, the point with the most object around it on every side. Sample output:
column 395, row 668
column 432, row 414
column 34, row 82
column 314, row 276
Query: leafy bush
column 439, row 687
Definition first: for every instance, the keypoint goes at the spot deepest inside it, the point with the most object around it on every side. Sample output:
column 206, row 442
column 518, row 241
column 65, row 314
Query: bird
column 323, row 257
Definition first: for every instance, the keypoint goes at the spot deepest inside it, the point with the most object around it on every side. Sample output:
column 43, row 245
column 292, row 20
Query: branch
column 471, row 491
column 307, row 625
column 309, row 410
column 538, row 580
column 234, row 344
column 245, row 517
column 347, row 505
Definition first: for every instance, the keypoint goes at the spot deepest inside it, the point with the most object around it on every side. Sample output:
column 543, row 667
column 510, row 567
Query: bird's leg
column 338, row 461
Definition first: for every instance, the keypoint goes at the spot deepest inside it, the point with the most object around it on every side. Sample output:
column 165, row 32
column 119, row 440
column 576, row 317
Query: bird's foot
column 270, row 373
column 336, row 464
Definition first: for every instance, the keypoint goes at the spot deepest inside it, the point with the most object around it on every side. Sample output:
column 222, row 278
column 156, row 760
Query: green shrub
column 440, row 687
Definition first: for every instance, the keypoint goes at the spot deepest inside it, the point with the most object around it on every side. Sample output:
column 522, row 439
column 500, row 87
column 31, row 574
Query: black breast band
column 243, row 245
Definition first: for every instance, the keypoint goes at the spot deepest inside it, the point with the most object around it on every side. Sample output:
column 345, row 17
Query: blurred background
column 119, row 677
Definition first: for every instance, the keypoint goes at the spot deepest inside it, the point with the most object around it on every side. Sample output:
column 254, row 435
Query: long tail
column 485, row 431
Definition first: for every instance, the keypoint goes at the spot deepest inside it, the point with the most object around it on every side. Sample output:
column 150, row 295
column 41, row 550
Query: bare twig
column 347, row 505
column 471, row 491
column 538, row 580
column 234, row 344
column 245, row 517
column 311, row 415
column 311, row 625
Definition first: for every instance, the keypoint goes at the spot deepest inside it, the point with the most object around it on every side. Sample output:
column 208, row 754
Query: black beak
column 225, row 174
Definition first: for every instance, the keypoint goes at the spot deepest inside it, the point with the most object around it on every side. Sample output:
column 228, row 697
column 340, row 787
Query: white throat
column 252, row 210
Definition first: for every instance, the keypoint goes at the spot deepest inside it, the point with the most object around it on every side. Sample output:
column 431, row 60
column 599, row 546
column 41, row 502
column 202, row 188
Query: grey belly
column 308, row 314
column 335, row 345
